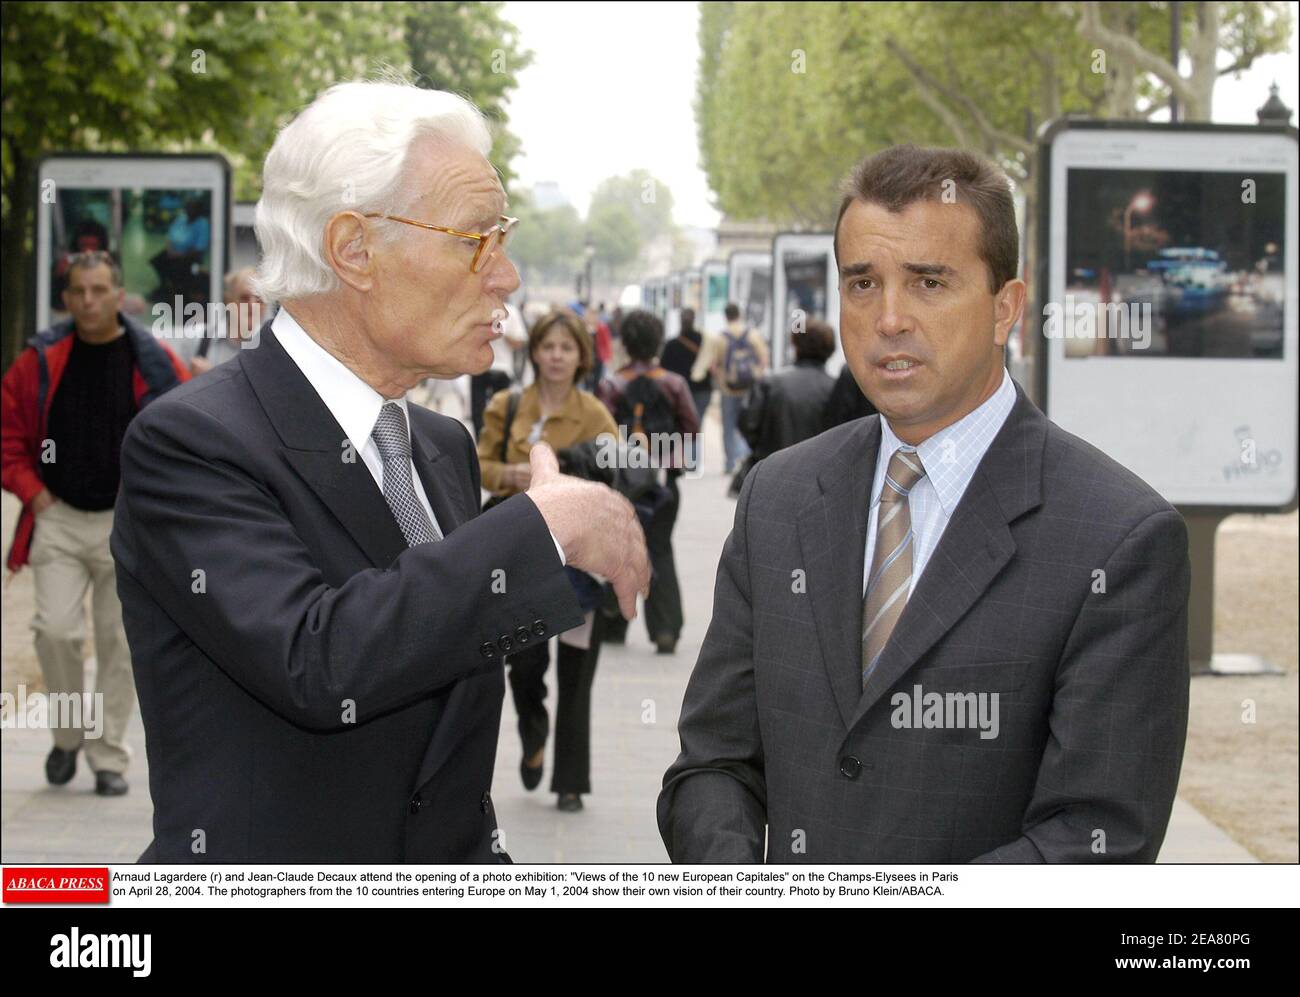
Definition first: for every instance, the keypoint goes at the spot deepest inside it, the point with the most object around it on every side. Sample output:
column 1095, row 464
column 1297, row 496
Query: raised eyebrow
column 856, row 269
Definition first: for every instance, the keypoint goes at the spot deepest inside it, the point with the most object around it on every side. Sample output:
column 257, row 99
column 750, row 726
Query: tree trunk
column 1202, row 50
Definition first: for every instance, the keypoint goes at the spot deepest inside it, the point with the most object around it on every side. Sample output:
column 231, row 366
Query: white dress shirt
column 354, row 404
column 950, row 458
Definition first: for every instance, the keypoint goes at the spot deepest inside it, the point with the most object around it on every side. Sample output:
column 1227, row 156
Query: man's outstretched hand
column 596, row 527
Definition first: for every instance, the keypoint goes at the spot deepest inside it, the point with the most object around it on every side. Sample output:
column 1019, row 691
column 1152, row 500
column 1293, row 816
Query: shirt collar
column 354, row 404
column 951, row 456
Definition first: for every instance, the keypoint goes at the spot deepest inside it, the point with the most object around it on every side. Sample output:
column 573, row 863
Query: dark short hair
column 688, row 318
column 642, row 334
column 575, row 327
column 95, row 258
column 732, row 312
column 88, row 226
column 816, row 342
column 904, row 174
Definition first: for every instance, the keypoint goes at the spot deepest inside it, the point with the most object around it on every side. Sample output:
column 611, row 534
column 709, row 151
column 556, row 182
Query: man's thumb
column 542, row 462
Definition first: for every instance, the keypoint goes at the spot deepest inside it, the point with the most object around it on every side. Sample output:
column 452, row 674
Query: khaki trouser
column 70, row 554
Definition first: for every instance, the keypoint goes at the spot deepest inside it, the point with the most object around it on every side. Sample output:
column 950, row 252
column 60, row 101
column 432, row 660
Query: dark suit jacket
column 1092, row 685
column 785, row 408
column 312, row 690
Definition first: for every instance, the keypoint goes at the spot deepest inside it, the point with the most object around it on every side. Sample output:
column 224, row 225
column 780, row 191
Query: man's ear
column 349, row 250
column 1008, row 305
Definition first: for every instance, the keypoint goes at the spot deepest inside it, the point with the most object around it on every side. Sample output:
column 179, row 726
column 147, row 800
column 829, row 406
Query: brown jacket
column 582, row 418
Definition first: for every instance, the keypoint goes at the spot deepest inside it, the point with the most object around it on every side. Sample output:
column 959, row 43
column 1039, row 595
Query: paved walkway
column 39, row 823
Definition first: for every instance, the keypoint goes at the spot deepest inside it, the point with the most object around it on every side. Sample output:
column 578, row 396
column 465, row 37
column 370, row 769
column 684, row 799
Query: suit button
column 850, row 767
column 506, row 643
column 416, row 804
column 485, row 802
column 488, row 649
column 539, row 628
column 522, row 635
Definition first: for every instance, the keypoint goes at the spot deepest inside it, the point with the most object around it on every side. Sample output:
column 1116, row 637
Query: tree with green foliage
column 615, row 235
column 548, row 244
column 220, row 76
column 791, row 95
column 470, row 48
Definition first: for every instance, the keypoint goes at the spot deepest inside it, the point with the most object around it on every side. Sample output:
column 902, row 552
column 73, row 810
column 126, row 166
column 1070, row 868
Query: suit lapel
column 976, row 546
column 313, row 445
column 439, row 482
column 833, row 538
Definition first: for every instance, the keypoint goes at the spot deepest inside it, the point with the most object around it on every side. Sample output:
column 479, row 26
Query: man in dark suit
column 316, row 613
column 952, row 632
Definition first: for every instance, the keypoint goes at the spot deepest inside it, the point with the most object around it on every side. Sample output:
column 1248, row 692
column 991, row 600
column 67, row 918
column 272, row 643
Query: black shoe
column 532, row 777
column 110, row 784
column 570, row 803
column 60, row 766
column 665, row 645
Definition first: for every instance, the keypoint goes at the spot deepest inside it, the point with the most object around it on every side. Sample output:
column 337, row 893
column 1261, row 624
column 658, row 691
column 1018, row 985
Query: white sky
column 1235, row 101
column 611, row 88
column 609, row 91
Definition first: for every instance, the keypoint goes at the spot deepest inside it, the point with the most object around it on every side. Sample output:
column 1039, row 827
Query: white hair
column 346, row 151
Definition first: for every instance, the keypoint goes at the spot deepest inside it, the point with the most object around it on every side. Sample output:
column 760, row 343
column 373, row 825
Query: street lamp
column 1142, row 203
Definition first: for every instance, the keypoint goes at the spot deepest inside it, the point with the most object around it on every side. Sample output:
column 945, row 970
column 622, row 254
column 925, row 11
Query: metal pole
column 1201, row 529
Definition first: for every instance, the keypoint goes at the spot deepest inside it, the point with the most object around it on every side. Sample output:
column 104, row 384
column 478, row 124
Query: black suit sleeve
column 1118, row 722
column 713, row 807
column 212, row 544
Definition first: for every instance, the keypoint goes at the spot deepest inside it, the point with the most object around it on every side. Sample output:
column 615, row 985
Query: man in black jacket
column 679, row 357
column 786, row 407
column 317, row 616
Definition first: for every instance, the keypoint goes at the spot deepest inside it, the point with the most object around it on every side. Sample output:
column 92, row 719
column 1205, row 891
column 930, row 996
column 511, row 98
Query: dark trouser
column 576, row 669
column 481, row 389
column 701, row 397
column 663, row 609
column 528, row 686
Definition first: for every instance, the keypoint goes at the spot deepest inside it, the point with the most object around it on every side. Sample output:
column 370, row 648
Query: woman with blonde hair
column 553, row 410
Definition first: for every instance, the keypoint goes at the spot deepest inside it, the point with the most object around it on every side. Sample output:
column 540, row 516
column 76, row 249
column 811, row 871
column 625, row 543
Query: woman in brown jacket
column 554, row 410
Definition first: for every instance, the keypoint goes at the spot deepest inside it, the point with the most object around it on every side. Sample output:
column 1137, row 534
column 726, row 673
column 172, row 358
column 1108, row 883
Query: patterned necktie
column 891, row 562
column 394, row 446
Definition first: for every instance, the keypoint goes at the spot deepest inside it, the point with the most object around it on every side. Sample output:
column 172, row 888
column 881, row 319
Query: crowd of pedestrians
column 579, row 375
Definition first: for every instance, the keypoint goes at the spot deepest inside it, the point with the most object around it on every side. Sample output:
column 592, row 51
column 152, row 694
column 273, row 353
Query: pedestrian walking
column 554, row 410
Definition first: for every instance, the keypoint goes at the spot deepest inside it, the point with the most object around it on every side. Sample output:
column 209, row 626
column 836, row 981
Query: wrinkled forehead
column 456, row 177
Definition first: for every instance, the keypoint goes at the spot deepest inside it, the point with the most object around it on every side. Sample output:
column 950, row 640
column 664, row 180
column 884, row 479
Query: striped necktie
column 394, row 446
column 891, row 563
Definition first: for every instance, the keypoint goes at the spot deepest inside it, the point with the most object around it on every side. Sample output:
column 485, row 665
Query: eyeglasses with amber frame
column 498, row 236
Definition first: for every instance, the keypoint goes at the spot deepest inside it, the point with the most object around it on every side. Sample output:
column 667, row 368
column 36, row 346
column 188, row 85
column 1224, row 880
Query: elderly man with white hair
column 316, row 611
